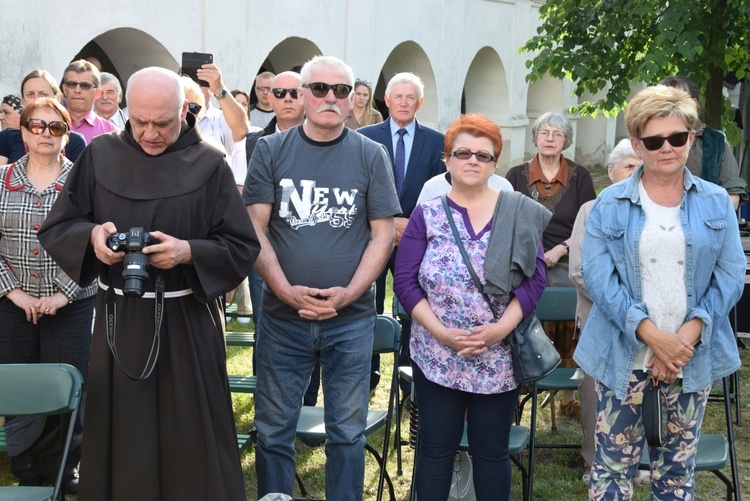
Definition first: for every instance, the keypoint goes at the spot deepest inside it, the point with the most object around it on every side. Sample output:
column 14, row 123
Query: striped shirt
column 24, row 264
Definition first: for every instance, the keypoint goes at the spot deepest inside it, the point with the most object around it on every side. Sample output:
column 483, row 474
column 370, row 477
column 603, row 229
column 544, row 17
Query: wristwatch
column 565, row 244
column 222, row 94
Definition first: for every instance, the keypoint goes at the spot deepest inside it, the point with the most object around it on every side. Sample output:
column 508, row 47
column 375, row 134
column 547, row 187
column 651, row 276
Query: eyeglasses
column 73, row 85
column 556, row 135
column 194, row 108
column 362, row 81
column 653, row 143
column 280, row 92
column 265, row 90
column 320, row 89
column 36, row 126
column 482, row 156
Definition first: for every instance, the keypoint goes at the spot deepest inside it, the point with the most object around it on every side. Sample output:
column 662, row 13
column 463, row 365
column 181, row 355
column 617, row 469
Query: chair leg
column 736, row 393
column 301, row 485
column 553, row 420
column 730, row 439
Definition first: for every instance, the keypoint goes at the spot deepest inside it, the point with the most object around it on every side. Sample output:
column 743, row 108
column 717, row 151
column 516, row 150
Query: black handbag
column 534, row 356
column 654, row 414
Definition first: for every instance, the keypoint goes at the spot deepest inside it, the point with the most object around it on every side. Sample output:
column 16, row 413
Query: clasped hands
column 35, row 308
column 474, row 341
column 313, row 303
column 167, row 253
column 671, row 353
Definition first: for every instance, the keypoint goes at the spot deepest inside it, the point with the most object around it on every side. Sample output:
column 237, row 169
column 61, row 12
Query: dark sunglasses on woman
column 36, row 126
column 653, row 143
column 194, row 108
column 320, row 89
column 280, row 92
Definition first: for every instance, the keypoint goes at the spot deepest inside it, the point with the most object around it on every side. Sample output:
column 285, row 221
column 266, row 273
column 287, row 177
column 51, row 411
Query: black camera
column 135, row 265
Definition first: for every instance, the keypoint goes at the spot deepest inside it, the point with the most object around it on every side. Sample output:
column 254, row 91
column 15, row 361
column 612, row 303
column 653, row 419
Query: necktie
column 398, row 161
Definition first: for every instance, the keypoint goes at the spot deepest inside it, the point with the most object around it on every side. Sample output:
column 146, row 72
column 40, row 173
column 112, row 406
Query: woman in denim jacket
column 663, row 263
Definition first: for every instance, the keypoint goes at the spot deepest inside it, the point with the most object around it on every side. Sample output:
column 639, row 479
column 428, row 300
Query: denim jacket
column 714, row 274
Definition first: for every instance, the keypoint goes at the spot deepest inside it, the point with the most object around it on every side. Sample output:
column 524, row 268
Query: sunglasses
column 280, row 92
column 653, row 143
column 36, row 126
column 194, row 108
column 362, row 81
column 320, row 89
column 482, row 156
column 73, row 85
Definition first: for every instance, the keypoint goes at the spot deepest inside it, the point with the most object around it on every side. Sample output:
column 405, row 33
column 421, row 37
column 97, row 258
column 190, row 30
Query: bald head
column 160, row 81
column 157, row 107
column 288, row 110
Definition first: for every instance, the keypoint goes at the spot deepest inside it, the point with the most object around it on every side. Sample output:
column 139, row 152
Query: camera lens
column 134, row 274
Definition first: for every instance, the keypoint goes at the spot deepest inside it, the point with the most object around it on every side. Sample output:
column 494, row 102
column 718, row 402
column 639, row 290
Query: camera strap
column 110, row 298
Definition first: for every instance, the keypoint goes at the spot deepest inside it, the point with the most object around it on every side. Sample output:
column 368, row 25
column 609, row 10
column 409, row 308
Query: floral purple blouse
column 429, row 265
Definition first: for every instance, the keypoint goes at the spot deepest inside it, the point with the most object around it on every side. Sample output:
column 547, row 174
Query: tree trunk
column 714, row 100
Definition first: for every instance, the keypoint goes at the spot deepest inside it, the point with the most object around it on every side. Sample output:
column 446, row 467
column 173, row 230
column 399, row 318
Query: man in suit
column 416, row 154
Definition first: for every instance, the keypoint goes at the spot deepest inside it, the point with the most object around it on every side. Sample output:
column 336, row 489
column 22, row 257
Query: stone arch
column 409, row 56
column 123, row 51
column 287, row 54
column 486, row 88
column 485, row 91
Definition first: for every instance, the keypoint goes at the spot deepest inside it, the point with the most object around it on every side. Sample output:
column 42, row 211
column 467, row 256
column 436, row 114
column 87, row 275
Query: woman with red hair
column 460, row 356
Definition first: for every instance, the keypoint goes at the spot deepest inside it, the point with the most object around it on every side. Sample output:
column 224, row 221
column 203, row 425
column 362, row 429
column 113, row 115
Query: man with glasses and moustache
column 81, row 88
column 416, row 153
column 107, row 105
column 261, row 112
column 322, row 200
column 288, row 113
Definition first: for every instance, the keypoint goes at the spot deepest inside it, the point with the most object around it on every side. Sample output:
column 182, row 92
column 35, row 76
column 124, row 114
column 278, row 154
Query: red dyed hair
column 46, row 103
column 476, row 126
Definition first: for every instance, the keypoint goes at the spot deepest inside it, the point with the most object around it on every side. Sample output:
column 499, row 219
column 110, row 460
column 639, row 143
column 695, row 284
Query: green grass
column 557, row 472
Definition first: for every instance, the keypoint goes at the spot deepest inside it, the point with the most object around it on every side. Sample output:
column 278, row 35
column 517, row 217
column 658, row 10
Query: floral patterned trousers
column 620, row 442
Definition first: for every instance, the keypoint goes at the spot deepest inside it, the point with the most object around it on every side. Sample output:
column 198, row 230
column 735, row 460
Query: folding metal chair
column 557, row 304
column 40, row 389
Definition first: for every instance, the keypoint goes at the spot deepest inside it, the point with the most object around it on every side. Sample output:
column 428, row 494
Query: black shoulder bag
column 534, row 356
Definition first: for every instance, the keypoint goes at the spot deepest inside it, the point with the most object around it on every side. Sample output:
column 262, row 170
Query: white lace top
column 662, row 257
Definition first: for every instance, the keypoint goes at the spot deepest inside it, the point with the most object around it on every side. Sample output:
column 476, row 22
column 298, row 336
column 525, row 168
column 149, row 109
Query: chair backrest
column 387, row 335
column 398, row 310
column 39, row 389
column 557, row 304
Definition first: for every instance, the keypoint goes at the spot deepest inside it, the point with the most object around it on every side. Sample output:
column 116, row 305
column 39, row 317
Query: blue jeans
column 287, row 352
column 442, row 412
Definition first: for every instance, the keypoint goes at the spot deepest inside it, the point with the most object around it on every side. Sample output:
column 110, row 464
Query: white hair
column 108, row 78
column 328, row 62
column 165, row 74
column 624, row 149
column 406, row 77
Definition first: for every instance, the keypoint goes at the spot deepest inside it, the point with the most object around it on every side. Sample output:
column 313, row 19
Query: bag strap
column 467, row 262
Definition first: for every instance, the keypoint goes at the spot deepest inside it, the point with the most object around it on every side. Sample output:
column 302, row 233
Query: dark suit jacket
column 425, row 160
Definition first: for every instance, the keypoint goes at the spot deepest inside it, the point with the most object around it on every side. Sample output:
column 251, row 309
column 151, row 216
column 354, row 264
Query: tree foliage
column 610, row 45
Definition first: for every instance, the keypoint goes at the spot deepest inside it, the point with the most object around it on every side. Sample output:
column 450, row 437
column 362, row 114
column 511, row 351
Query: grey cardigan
column 517, row 227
